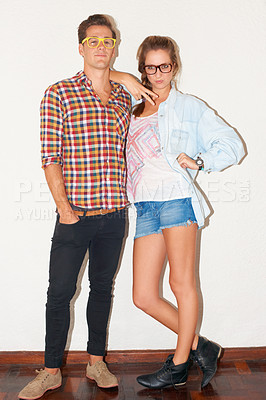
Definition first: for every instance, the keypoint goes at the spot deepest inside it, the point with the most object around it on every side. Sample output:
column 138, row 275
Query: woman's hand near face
column 133, row 86
column 186, row 162
column 138, row 90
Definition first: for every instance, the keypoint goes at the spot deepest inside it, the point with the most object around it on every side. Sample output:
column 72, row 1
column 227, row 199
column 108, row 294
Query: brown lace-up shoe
column 101, row 375
column 43, row 382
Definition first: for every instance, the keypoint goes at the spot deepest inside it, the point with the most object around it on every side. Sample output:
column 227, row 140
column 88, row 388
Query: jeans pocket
column 75, row 223
column 66, row 233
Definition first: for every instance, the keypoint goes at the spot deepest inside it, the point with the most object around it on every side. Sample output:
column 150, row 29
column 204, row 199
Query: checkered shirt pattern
column 88, row 140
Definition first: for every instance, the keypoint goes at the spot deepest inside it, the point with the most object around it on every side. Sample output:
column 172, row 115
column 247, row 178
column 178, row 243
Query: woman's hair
column 156, row 43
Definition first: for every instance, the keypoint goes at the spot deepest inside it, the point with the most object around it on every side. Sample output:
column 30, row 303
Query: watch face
column 199, row 161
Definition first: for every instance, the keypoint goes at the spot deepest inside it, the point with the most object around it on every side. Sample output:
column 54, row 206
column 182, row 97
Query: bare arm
column 55, row 180
column 133, row 86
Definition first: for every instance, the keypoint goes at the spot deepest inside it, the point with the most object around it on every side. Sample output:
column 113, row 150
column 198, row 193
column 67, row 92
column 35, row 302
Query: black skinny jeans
column 103, row 236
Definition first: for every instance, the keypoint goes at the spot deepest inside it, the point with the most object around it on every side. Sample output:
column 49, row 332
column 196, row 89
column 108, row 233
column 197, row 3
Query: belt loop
column 84, row 213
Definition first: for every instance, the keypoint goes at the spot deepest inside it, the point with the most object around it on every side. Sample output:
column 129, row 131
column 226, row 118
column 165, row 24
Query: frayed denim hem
column 186, row 224
column 147, row 234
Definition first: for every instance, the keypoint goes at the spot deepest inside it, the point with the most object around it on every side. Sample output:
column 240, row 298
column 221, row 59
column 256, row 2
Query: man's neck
column 100, row 79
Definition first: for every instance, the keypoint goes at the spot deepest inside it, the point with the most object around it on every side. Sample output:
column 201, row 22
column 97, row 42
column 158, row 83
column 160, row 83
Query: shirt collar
column 83, row 80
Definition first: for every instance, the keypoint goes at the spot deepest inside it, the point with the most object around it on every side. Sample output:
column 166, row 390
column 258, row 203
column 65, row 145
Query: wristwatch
column 200, row 163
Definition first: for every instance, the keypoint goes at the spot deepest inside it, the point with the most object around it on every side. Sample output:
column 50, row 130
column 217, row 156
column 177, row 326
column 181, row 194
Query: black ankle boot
column 169, row 375
column 206, row 356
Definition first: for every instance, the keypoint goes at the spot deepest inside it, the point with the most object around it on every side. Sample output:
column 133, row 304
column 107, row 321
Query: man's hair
column 96, row 19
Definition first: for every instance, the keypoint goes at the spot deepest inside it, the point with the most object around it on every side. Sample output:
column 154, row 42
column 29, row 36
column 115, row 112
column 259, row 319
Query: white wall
column 223, row 49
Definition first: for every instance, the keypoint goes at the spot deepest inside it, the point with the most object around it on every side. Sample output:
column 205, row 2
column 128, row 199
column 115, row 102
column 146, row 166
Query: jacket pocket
column 178, row 141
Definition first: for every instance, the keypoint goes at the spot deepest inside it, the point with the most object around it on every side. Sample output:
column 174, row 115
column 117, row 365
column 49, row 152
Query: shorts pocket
column 139, row 209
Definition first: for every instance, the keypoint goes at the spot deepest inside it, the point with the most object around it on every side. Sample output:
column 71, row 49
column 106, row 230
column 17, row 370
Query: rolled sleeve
column 51, row 116
column 219, row 143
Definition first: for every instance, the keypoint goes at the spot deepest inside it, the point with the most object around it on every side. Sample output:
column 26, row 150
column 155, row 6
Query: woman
column 169, row 141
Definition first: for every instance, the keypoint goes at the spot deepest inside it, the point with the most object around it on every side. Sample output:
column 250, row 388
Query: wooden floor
column 243, row 380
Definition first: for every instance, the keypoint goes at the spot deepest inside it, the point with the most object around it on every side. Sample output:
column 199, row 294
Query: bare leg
column 148, row 258
column 181, row 244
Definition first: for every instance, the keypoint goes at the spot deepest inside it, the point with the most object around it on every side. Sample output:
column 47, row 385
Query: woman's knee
column 144, row 301
column 182, row 287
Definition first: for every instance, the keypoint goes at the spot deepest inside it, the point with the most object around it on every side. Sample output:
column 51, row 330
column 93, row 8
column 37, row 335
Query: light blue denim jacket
column 188, row 125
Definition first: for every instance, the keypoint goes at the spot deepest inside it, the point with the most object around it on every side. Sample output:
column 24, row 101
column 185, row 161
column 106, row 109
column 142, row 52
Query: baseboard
column 126, row 356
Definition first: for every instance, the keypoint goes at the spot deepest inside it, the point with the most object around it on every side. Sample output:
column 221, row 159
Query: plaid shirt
column 88, row 140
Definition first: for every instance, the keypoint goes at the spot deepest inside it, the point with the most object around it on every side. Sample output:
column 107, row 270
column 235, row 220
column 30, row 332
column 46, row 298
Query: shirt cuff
column 51, row 160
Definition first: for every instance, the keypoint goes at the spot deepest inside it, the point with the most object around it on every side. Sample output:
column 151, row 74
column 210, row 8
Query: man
column 84, row 122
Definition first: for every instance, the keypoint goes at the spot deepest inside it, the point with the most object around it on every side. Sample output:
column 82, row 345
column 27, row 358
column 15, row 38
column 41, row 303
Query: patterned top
column 88, row 140
column 150, row 177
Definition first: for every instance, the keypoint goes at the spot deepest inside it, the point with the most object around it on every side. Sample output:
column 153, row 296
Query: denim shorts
column 153, row 216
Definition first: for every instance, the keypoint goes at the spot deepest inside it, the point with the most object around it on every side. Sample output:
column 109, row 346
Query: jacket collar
column 172, row 95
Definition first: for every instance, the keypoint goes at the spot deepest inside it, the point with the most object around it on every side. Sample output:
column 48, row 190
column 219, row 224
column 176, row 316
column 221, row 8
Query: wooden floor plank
column 127, row 356
column 242, row 367
column 233, row 381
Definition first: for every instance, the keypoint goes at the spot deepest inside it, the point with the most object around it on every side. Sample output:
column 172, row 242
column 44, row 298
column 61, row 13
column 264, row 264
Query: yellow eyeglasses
column 93, row 42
